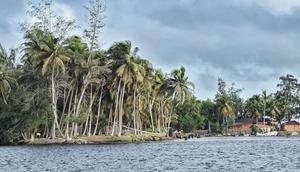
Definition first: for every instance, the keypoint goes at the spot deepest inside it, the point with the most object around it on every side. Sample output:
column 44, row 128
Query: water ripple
column 205, row 154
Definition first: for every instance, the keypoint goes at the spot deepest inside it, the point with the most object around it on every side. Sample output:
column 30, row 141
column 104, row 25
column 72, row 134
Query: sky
column 248, row 42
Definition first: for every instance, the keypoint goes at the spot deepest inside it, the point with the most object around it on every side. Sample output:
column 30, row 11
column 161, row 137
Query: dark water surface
column 205, row 154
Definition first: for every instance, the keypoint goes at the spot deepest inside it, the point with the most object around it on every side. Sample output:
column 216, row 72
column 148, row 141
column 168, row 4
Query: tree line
column 65, row 86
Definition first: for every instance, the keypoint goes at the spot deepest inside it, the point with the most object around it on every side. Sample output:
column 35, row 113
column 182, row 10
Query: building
column 246, row 128
column 291, row 126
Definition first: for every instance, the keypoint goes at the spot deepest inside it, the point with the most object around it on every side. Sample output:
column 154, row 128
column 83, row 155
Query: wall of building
column 291, row 128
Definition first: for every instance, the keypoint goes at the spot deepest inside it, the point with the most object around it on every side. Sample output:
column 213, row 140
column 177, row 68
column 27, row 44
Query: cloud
column 276, row 7
column 249, row 42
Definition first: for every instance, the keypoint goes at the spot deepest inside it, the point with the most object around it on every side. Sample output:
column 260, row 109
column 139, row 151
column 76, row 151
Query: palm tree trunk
column 150, row 110
column 98, row 111
column 159, row 117
column 69, row 114
column 116, row 108
column 74, row 110
column 134, row 111
column 110, row 120
column 78, row 109
column 89, row 111
column 121, row 110
column 53, row 90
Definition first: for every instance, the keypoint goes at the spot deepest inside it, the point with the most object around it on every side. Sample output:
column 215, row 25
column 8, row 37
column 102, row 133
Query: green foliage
column 190, row 116
column 254, row 129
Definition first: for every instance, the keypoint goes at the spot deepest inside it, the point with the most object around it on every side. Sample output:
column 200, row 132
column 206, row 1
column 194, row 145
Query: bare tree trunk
column 88, row 117
column 98, row 111
column 134, row 110
column 78, row 109
column 110, row 120
column 53, row 135
column 74, row 110
column 116, row 108
column 65, row 102
column 69, row 114
column 150, row 104
column 159, row 116
column 121, row 110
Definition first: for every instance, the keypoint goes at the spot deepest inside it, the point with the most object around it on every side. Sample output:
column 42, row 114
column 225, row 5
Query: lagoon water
column 204, row 154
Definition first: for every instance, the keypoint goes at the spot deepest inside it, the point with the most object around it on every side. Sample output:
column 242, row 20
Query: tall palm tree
column 47, row 54
column 126, row 72
column 265, row 100
column 181, row 88
column 254, row 107
column 159, row 93
column 273, row 107
column 225, row 109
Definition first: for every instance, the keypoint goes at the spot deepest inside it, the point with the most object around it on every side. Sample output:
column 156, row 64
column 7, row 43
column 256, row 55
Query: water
column 205, row 154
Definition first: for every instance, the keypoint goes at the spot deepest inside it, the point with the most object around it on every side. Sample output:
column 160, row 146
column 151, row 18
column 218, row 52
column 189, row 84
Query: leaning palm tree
column 47, row 54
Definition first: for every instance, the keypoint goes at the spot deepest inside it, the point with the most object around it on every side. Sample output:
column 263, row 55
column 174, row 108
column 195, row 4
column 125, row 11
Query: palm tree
column 126, row 72
column 273, row 107
column 285, row 110
column 224, row 108
column 7, row 71
column 6, row 81
column 159, row 93
column 181, row 88
column 178, row 87
column 266, row 99
column 254, row 107
column 46, row 53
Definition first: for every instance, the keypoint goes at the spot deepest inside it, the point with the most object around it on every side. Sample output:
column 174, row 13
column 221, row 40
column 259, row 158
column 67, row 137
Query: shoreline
column 97, row 140
column 125, row 139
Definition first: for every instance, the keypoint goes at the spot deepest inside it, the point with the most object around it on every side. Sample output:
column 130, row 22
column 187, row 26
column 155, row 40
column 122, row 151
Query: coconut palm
column 181, row 88
column 126, row 72
column 225, row 109
column 47, row 54
column 265, row 100
column 254, row 107
column 7, row 80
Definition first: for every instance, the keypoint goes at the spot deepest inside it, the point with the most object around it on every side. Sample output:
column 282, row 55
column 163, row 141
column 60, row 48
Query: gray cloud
column 250, row 42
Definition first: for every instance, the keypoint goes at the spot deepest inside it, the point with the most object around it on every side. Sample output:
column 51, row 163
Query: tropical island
column 67, row 89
